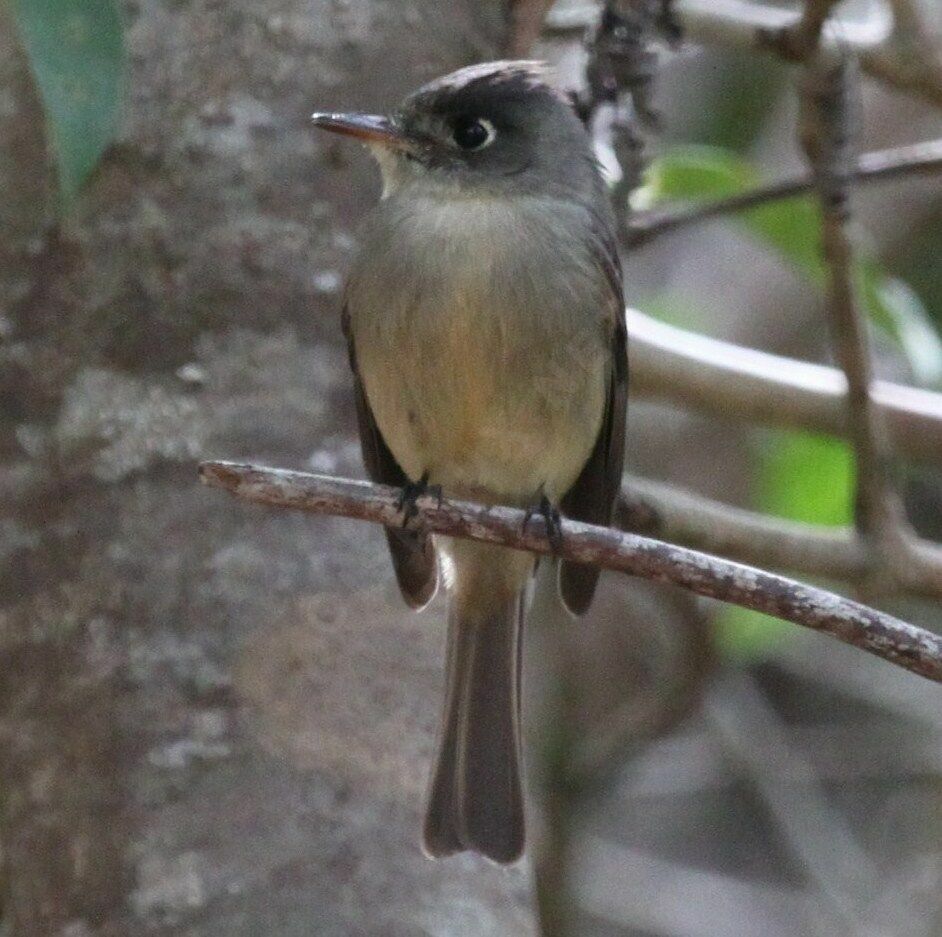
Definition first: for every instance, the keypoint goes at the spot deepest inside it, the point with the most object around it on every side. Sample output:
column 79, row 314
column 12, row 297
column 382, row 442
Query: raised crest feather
column 530, row 73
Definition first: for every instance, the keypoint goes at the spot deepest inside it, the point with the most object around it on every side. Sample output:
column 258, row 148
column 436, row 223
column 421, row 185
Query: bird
column 484, row 319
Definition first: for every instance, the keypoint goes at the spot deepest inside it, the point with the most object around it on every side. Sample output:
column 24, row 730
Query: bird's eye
column 473, row 133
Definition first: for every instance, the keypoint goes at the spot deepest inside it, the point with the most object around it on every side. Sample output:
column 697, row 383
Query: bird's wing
column 412, row 554
column 592, row 497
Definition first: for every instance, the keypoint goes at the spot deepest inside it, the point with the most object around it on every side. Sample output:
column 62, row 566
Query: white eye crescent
column 473, row 133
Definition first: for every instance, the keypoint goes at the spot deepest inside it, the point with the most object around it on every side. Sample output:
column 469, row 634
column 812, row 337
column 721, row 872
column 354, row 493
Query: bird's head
column 494, row 128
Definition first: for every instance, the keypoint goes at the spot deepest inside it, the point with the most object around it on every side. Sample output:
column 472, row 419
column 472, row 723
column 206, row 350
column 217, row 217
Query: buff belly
column 480, row 410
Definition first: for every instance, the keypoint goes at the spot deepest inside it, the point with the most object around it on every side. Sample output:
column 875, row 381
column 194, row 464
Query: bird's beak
column 366, row 127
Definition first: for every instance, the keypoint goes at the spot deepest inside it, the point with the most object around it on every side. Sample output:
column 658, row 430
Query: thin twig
column 881, row 165
column 908, row 646
column 730, row 381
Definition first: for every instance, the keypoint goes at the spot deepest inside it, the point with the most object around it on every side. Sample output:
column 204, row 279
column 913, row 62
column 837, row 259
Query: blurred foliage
column 801, row 477
column 734, row 109
column 918, row 262
column 791, row 228
column 806, row 477
column 798, row 476
column 76, row 54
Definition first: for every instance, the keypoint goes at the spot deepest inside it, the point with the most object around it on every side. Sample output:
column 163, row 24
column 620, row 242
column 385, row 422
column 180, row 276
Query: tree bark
column 211, row 721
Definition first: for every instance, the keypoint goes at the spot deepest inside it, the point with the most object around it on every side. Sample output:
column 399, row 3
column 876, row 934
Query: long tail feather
column 476, row 800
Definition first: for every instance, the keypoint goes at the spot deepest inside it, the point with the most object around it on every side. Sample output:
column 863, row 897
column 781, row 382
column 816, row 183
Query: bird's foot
column 551, row 517
column 411, row 492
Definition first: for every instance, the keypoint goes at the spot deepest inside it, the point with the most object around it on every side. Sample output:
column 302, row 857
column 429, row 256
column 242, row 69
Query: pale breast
column 482, row 335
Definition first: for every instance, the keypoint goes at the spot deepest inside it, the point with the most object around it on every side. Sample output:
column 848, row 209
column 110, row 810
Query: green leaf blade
column 76, row 52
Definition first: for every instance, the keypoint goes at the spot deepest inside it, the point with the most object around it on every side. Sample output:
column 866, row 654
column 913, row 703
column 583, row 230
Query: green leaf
column 743, row 635
column 75, row 51
column 696, row 173
column 735, row 102
column 805, row 477
column 801, row 477
column 674, row 309
column 897, row 309
column 791, row 227
column 917, row 262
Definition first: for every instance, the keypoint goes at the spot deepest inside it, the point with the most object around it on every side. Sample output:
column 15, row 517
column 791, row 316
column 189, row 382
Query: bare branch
column 826, row 133
column 660, row 510
column 525, row 22
column 911, row 61
column 900, row 71
column 656, row 509
column 908, row 646
column 745, row 24
column 803, row 39
column 712, row 376
column 903, row 57
column 688, row 762
column 879, row 166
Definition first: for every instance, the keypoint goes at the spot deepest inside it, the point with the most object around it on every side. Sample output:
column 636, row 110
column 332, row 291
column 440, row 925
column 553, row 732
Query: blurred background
column 218, row 719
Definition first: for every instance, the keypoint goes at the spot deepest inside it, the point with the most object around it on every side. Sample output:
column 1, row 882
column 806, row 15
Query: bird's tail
column 476, row 799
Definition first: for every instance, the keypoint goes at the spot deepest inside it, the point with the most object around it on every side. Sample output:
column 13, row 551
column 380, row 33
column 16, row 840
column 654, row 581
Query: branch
column 881, row 165
column 656, row 509
column 804, row 37
column 637, row 892
column 900, row 71
column 661, row 510
column 899, row 54
column 910, row 61
column 525, row 20
column 745, row 24
column 826, row 137
column 905, row 645
column 727, row 380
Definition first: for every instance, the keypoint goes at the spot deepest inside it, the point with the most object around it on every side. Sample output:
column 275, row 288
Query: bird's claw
column 410, row 494
column 551, row 517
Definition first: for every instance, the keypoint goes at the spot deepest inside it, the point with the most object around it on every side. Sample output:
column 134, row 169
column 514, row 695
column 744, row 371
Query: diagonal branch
column 881, row 165
column 911, row 61
column 657, row 509
column 905, row 645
